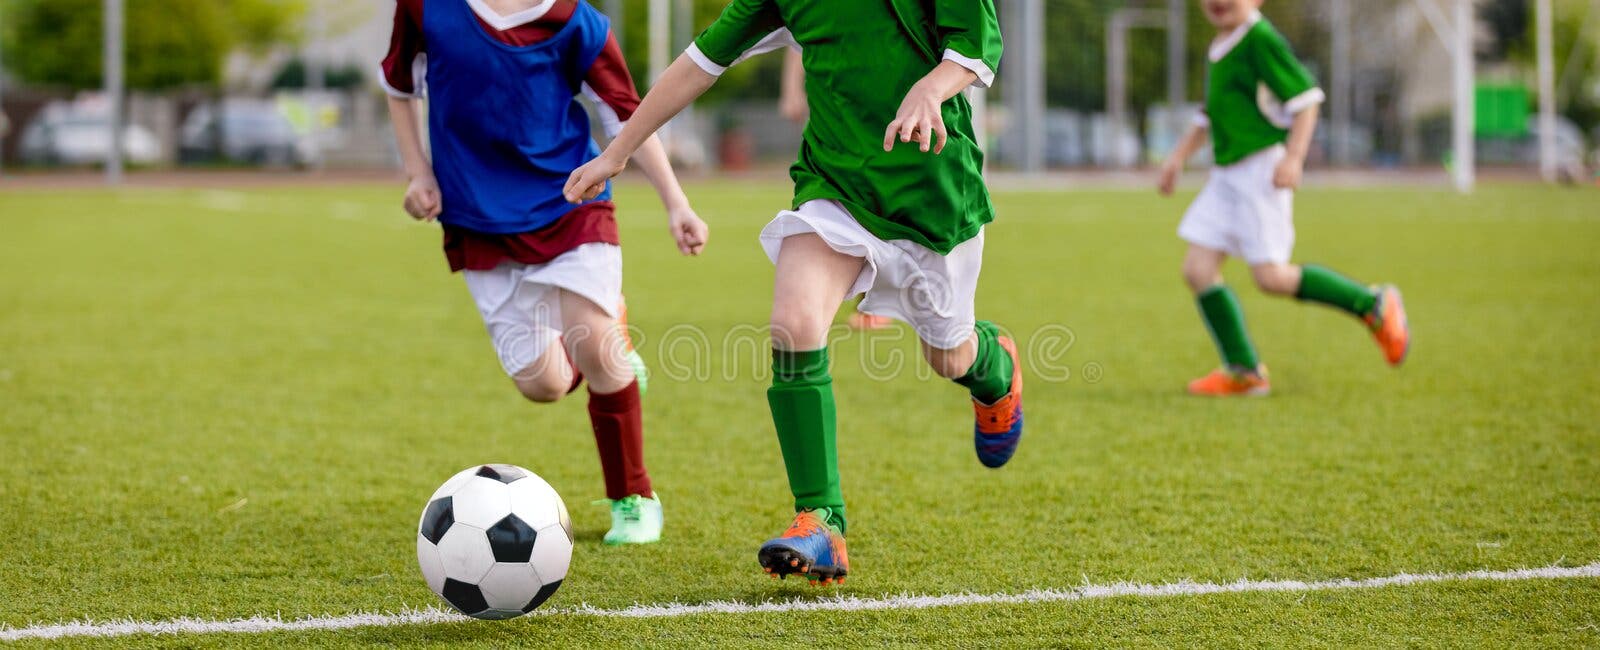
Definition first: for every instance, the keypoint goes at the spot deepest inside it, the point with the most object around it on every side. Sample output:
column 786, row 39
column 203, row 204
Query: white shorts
column 1240, row 212
column 902, row 280
column 521, row 304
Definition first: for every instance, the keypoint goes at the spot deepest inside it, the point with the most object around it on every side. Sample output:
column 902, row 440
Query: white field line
column 827, row 604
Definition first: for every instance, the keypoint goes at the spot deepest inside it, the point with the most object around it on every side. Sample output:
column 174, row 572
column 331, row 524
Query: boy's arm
column 681, row 84
column 792, row 92
column 1287, row 175
column 745, row 28
column 687, row 229
column 1295, row 86
column 969, row 33
column 400, row 76
column 1191, row 142
column 422, row 199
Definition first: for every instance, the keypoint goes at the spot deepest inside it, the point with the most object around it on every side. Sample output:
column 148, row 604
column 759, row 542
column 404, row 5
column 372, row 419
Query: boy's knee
column 950, row 364
column 1277, row 279
column 1200, row 279
column 543, row 389
column 796, row 328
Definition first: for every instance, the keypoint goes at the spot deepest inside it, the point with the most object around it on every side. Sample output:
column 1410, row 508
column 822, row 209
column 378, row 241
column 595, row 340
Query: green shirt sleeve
column 1276, row 65
column 970, row 30
column 742, row 25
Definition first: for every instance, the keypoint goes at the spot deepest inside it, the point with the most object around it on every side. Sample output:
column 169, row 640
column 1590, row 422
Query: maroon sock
column 619, row 433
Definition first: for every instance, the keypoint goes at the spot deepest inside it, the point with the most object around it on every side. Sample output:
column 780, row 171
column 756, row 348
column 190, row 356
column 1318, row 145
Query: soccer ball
column 494, row 541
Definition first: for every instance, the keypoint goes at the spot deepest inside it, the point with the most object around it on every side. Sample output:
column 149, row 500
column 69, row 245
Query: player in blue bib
column 502, row 80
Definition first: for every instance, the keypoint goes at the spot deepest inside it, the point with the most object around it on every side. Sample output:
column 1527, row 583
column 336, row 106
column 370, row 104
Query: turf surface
column 228, row 403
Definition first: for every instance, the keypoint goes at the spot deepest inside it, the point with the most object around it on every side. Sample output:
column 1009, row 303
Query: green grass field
column 219, row 404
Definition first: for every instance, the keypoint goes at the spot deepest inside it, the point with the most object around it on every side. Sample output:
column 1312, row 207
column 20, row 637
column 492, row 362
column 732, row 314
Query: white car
column 84, row 140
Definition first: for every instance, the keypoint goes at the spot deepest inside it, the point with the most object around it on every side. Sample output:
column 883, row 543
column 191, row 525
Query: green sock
column 803, row 412
column 1225, row 318
column 1324, row 285
column 989, row 380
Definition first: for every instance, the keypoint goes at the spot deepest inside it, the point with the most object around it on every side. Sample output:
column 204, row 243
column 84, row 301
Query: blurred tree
column 1576, row 25
column 293, row 76
column 170, row 43
column 754, row 79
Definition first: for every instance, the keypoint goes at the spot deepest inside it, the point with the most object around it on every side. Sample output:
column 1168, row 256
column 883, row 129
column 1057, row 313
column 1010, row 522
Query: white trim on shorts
column 1242, row 214
column 521, row 306
column 902, row 280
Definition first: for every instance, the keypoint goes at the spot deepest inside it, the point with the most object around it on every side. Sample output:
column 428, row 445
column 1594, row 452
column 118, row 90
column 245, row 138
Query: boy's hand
column 1168, row 182
column 1287, row 176
column 688, row 230
column 589, row 181
column 919, row 119
column 422, row 198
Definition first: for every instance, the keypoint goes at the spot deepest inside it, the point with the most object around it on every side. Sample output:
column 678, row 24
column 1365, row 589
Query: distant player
column 792, row 104
column 1261, row 111
column 902, row 224
column 502, row 78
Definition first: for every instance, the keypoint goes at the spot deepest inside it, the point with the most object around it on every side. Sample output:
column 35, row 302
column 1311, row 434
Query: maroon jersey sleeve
column 401, row 73
column 611, row 86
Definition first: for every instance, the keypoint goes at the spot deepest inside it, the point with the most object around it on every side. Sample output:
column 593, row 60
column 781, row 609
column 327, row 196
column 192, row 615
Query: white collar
column 1222, row 46
column 503, row 23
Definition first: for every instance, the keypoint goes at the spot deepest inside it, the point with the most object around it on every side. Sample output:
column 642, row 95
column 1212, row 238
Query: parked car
column 65, row 138
column 255, row 133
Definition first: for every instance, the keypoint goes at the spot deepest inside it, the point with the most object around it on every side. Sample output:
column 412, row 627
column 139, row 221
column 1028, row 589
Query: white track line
column 826, row 604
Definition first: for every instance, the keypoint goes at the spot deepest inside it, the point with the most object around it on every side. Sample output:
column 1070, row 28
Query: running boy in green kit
column 1261, row 111
column 873, row 214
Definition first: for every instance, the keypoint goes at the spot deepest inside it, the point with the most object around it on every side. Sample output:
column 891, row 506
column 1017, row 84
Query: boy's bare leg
column 595, row 344
column 1277, row 279
column 599, row 350
column 547, row 379
column 1202, row 268
column 953, row 363
column 1241, row 372
column 812, row 280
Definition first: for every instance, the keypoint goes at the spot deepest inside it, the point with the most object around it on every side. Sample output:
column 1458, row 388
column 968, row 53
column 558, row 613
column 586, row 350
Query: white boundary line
column 827, row 604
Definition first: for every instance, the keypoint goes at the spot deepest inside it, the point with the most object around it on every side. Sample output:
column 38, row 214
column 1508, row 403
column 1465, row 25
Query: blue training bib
column 504, row 121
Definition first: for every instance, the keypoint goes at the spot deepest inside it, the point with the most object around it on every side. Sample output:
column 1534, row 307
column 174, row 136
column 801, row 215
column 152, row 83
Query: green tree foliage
column 1576, row 46
column 754, row 79
column 170, row 43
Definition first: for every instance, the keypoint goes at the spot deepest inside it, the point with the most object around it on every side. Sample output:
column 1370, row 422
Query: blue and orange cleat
column 810, row 548
column 999, row 425
column 1389, row 325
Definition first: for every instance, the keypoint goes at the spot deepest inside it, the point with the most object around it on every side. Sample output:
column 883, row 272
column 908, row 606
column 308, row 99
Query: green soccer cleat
column 640, row 371
column 635, row 519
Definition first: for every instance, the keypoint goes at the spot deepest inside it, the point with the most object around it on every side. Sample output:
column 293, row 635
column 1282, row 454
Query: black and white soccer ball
column 494, row 541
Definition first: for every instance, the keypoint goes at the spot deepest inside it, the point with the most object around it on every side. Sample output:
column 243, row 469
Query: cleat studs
column 794, row 562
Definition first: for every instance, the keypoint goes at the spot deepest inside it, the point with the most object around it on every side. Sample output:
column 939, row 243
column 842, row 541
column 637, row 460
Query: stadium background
column 1086, row 84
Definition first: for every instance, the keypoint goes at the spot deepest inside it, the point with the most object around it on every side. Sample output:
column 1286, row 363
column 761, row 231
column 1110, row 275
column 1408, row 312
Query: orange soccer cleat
column 1228, row 383
column 1389, row 325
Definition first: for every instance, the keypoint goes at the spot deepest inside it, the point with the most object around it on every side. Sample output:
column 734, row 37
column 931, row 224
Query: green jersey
column 1254, row 88
column 860, row 58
